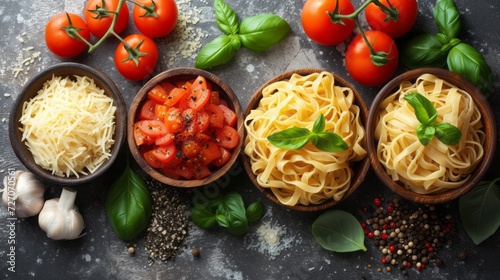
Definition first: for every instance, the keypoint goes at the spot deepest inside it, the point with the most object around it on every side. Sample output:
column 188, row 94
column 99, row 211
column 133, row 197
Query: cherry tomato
column 230, row 117
column 153, row 128
column 99, row 20
column 407, row 15
column 200, row 94
column 210, row 152
column 318, row 25
column 148, row 111
column 140, row 137
column 146, row 60
column 158, row 94
column 225, row 155
column 216, row 115
column 360, row 65
column 227, row 137
column 165, row 153
column 152, row 160
column 159, row 23
column 59, row 42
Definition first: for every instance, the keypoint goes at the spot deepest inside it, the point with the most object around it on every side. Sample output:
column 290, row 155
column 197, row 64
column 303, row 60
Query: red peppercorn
column 364, row 210
column 384, row 236
column 390, row 209
column 363, row 224
column 392, row 248
column 408, row 264
column 370, row 234
column 393, row 225
column 385, row 226
column 430, row 249
column 377, row 201
column 365, row 231
column 428, row 244
column 384, row 260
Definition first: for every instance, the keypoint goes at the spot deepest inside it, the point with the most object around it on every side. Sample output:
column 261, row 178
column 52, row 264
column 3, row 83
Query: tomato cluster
column 68, row 35
column 321, row 25
column 186, row 129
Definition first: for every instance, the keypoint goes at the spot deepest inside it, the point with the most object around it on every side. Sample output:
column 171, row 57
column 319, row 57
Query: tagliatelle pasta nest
column 436, row 167
column 304, row 176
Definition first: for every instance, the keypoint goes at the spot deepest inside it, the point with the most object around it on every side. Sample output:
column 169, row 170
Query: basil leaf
column 255, row 211
column 480, row 211
column 329, row 142
column 424, row 50
column 291, row 138
column 218, row 51
column 448, row 133
column 448, row 19
column 319, row 124
column 226, row 18
column 259, row 33
column 424, row 110
column 128, row 205
column 233, row 210
column 465, row 60
column 425, row 133
column 338, row 231
column 203, row 217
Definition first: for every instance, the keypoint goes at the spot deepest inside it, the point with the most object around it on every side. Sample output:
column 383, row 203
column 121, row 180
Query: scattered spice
column 195, row 252
column 169, row 221
column 407, row 236
column 131, row 250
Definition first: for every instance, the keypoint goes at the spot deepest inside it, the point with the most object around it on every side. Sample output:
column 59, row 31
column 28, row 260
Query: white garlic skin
column 60, row 218
column 24, row 193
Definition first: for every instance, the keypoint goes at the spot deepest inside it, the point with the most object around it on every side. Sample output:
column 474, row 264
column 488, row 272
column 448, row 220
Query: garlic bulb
column 60, row 217
column 23, row 193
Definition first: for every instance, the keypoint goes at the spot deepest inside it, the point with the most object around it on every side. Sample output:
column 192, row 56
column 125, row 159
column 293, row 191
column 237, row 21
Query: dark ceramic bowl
column 360, row 168
column 490, row 130
column 184, row 74
column 30, row 90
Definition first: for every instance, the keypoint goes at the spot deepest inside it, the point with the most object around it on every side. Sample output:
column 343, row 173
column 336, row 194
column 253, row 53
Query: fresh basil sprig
column 445, row 49
column 257, row 33
column 426, row 114
column 295, row 138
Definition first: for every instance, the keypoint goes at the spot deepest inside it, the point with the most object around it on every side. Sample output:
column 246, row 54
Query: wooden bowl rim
column 184, row 73
column 361, row 168
column 31, row 88
column 490, row 130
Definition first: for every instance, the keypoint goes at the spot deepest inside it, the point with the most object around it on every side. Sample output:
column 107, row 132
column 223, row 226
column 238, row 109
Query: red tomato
column 407, row 15
column 99, row 20
column 229, row 115
column 157, row 23
column 148, row 111
column 140, row 137
column 173, row 120
column 165, row 139
column 227, row 137
column 152, row 160
column 158, row 94
column 136, row 66
column 210, row 152
column 225, row 155
column 153, row 128
column 200, row 94
column 202, row 120
column 360, row 65
column 165, row 153
column 215, row 98
column 57, row 39
column 216, row 115
column 191, row 149
column 175, row 95
column 160, row 112
column 318, row 25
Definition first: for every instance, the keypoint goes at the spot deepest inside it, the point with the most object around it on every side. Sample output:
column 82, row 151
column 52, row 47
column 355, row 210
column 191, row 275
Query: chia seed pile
column 169, row 221
column 408, row 236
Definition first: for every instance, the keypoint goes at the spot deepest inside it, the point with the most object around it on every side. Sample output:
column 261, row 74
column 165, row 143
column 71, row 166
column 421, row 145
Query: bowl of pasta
column 185, row 127
column 431, row 135
column 67, row 125
column 304, row 146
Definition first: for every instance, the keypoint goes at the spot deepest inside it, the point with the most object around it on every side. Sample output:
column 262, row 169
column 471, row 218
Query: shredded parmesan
column 69, row 126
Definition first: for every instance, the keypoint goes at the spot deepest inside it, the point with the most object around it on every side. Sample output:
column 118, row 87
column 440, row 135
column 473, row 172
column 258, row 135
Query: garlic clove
column 23, row 193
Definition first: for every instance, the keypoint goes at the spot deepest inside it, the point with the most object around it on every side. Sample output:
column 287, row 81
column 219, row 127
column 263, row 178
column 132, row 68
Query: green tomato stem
column 111, row 30
column 150, row 10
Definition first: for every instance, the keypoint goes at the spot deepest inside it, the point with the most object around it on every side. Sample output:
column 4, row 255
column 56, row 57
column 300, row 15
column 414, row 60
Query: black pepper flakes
column 169, row 221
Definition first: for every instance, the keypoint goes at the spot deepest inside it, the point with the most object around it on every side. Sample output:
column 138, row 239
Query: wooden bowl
column 360, row 168
column 490, row 130
column 184, row 74
column 30, row 90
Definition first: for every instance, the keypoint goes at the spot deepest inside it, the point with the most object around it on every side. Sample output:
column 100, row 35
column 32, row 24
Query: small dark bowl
column 30, row 90
column 490, row 130
column 359, row 168
column 184, row 74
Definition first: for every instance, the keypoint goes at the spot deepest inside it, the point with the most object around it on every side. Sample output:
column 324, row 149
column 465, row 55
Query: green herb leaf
column 423, row 50
column 233, row 210
column 203, row 217
column 338, row 231
column 319, row 124
column 425, row 133
column 227, row 20
column 259, row 33
column 291, row 139
column 448, row 133
column 255, row 211
column 447, row 18
column 128, row 205
column 480, row 211
column 217, row 52
column 329, row 142
column 465, row 60
column 424, row 110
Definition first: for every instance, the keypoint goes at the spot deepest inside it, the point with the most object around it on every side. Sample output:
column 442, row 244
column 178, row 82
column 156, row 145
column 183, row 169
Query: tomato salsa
column 185, row 129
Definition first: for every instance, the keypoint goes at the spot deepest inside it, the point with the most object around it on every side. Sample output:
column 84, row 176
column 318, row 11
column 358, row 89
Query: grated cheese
column 69, row 126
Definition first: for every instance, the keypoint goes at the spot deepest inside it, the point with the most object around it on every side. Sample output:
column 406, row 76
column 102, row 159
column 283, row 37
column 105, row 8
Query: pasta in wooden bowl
column 308, row 178
column 437, row 171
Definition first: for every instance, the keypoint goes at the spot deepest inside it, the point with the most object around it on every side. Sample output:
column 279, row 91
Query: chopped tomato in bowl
column 186, row 127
